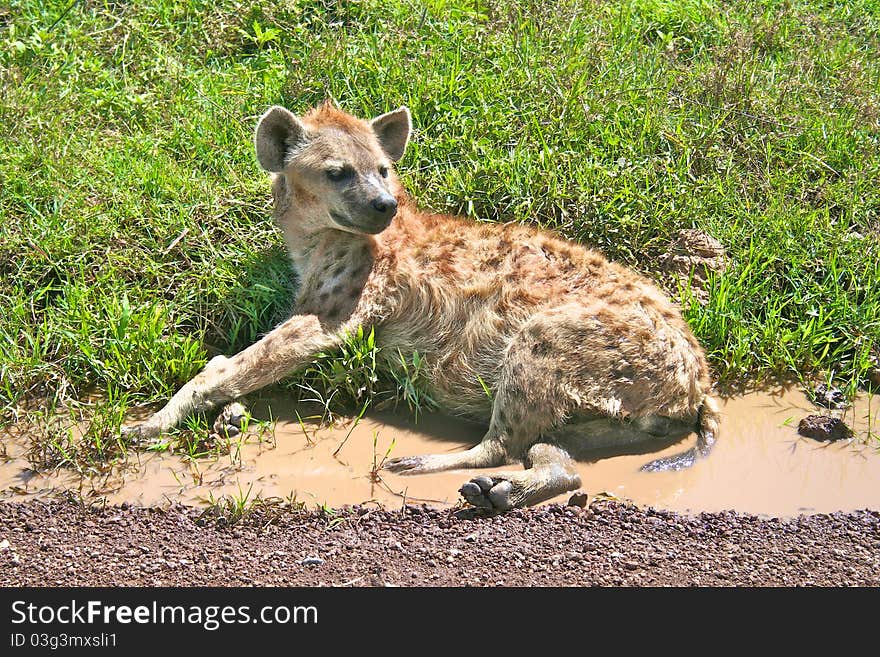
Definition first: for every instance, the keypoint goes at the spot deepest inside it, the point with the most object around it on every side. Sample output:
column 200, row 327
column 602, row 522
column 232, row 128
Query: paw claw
column 228, row 423
column 229, row 431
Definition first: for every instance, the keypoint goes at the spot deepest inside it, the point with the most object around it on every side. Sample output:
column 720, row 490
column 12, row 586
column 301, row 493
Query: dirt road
column 606, row 544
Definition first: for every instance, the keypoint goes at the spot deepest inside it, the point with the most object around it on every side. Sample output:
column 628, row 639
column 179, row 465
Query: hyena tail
column 709, row 423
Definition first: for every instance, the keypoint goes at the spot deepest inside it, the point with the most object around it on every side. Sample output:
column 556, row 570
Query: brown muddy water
column 760, row 465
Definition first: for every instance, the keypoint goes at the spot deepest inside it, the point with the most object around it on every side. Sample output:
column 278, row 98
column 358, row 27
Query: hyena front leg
column 280, row 352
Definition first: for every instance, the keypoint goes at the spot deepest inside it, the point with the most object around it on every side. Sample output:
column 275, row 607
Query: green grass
column 135, row 231
column 231, row 509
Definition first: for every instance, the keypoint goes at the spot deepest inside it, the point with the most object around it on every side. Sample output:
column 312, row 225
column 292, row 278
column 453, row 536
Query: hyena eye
column 383, row 171
column 337, row 174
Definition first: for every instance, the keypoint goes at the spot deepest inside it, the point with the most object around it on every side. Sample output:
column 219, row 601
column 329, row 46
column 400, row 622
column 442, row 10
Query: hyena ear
column 393, row 131
column 278, row 133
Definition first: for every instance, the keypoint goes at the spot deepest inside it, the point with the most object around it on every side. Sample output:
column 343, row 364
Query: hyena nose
column 385, row 205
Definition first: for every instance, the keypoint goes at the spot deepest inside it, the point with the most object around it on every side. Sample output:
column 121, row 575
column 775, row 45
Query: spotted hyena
column 578, row 353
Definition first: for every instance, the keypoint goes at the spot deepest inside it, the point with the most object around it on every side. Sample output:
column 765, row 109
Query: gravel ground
column 606, row 544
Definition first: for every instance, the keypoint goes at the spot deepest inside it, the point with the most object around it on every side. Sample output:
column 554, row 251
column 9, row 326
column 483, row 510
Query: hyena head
column 332, row 169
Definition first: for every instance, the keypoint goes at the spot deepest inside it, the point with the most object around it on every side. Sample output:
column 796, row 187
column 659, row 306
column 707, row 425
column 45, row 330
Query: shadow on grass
column 262, row 298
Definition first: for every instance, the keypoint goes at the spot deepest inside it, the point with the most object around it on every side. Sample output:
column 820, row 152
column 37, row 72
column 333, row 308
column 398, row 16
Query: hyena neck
column 314, row 251
column 303, row 231
column 301, row 247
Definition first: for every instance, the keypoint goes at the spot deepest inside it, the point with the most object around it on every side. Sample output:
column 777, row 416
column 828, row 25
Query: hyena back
column 577, row 353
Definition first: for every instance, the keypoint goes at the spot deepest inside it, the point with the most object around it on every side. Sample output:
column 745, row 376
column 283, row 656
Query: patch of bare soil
column 691, row 256
column 606, row 544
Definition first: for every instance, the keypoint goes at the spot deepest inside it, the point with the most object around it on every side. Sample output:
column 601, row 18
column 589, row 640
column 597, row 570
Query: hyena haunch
column 578, row 352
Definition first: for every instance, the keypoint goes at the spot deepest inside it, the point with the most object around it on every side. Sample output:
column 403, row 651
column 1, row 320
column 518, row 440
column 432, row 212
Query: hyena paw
column 228, row 423
column 140, row 434
column 407, row 465
column 491, row 493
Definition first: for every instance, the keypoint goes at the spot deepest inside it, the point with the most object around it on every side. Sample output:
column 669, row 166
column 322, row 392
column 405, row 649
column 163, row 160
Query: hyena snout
column 377, row 213
column 384, row 206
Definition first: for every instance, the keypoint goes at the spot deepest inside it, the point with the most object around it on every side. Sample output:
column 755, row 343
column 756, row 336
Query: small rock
column 828, row 396
column 311, row 561
column 578, row 499
column 823, row 427
column 4, row 544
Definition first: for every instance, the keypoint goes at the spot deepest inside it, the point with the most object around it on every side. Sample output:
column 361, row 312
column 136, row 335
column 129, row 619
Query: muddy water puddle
column 759, row 465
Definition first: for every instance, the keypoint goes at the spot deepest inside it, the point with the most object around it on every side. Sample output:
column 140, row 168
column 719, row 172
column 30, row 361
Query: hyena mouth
column 370, row 227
